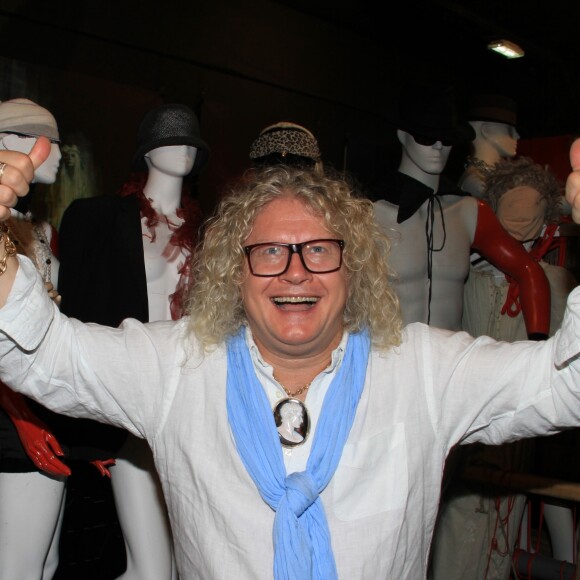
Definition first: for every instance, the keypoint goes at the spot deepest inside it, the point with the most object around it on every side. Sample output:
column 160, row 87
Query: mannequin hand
column 41, row 446
column 573, row 182
column 18, row 174
column 101, row 465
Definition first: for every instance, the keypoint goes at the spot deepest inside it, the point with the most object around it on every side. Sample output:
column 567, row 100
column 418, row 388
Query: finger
column 575, row 155
column 40, row 152
column 57, row 467
column 54, row 444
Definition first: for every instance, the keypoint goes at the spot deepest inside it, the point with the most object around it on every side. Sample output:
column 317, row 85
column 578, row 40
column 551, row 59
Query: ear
column 402, row 136
column 486, row 131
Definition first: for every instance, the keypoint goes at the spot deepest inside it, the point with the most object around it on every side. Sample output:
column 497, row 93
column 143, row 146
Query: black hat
column 430, row 110
column 170, row 124
column 494, row 108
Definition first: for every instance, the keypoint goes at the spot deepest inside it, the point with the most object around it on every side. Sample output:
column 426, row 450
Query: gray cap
column 25, row 117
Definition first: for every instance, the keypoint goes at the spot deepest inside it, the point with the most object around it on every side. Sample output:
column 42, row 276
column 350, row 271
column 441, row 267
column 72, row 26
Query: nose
column 438, row 145
column 296, row 272
column 56, row 152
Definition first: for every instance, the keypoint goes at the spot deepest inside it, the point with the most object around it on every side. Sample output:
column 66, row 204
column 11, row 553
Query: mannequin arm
column 504, row 252
column 38, row 442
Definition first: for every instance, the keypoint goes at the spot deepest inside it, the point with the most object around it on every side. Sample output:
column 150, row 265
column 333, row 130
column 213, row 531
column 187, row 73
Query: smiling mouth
column 281, row 300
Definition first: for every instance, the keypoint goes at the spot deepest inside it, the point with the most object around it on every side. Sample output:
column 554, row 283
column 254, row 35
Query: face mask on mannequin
column 502, row 136
column 174, row 160
column 521, row 212
column 429, row 159
column 46, row 173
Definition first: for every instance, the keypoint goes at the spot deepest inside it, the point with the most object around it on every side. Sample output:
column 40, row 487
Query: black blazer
column 102, row 269
column 101, row 279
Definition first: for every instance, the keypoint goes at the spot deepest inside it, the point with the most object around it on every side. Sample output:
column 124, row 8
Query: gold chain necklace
column 295, row 393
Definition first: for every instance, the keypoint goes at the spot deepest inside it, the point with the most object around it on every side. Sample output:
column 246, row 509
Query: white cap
column 25, row 117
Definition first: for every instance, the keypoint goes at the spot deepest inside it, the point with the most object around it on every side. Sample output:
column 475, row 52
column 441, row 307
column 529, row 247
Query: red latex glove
column 39, row 443
column 102, row 465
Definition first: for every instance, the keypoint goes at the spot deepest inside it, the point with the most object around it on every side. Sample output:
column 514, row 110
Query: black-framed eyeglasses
column 273, row 259
column 429, row 141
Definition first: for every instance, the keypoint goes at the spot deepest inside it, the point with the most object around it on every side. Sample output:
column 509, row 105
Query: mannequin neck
column 164, row 191
column 408, row 167
column 485, row 151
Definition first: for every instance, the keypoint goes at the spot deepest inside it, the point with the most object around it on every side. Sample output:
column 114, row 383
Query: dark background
column 335, row 67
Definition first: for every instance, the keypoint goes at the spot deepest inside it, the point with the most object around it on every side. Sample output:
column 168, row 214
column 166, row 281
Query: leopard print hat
column 286, row 139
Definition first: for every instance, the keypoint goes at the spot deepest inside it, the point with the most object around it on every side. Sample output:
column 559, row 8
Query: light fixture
column 506, row 48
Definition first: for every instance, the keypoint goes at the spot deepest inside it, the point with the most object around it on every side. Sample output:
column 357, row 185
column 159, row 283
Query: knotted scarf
column 302, row 547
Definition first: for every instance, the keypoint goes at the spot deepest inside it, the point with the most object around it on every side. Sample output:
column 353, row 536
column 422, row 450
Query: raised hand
column 573, row 182
column 16, row 173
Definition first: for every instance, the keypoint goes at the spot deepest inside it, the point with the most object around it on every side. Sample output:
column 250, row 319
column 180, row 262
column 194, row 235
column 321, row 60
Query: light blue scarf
column 302, row 547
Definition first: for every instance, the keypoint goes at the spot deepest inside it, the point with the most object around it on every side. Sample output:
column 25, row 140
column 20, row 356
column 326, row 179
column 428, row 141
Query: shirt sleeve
column 121, row 376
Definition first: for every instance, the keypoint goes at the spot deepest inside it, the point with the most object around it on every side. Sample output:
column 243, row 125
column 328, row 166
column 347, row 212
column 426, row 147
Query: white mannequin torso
column 409, row 254
column 167, row 168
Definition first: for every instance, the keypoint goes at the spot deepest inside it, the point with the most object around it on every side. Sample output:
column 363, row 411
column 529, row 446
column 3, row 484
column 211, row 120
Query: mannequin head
column 493, row 118
column 21, row 122
column 170, row 125
column 286, row 143
column 428, row 127
column 524, row 196
column 422, row 157
column 173, row 160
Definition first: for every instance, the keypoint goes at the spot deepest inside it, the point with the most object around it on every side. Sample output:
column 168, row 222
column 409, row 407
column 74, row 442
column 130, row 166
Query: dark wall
column 241, row 64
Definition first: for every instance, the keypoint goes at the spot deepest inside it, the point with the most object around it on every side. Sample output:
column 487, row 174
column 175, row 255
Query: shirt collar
column 410, row 194
column 265, row 369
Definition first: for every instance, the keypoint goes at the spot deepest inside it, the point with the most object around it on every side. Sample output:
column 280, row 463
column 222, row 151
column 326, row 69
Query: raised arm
column 16, row 173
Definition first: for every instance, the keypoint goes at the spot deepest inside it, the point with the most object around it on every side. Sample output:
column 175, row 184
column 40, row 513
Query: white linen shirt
column 437, row 389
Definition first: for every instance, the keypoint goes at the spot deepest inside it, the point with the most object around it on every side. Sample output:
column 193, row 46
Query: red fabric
column 185, row 236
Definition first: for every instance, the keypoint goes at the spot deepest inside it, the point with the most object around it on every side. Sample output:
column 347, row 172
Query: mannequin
column 527, row 200
column 150, row 230
column 431, row 268
column 434, row 227
column 286, row 143
column 32, row 477
column 493, row 118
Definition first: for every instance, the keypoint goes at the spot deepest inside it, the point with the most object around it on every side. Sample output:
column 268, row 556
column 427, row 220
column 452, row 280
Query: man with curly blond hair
column 290, row 307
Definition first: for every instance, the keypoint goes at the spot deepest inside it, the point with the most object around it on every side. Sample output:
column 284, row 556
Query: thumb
column 40, row 152
column 575, row 155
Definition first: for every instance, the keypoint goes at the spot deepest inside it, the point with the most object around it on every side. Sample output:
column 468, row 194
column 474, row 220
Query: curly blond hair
column 524, row 171
column 215, row 304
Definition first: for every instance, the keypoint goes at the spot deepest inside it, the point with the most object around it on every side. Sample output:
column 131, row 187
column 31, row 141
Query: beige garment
column 484, row 295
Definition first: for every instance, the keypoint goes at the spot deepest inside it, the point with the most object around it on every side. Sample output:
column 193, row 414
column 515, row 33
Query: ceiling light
column 506, row 48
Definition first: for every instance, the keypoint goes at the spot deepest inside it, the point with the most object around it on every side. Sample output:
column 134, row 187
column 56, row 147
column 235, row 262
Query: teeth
column 292, row 299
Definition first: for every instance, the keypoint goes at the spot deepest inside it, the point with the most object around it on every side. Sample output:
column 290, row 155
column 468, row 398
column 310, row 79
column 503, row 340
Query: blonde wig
column 215, row 305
